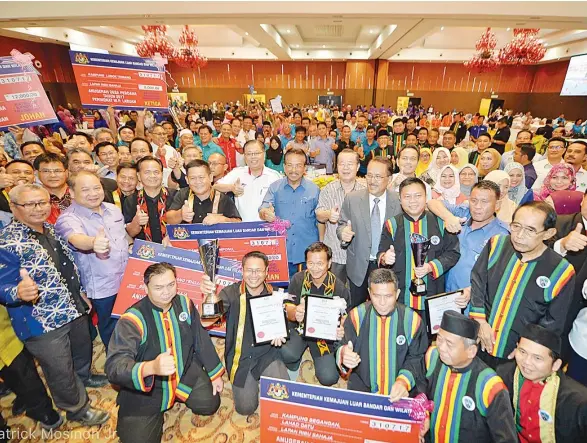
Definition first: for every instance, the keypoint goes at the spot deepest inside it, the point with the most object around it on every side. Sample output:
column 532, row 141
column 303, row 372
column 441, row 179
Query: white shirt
column 255, row 189
column 382, row 207
column 169, row 152
column 578, row 335
column 558, row 244
column 581, row 176
column 542, row 167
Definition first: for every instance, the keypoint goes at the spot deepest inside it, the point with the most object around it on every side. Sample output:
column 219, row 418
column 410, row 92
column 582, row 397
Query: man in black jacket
column 548, row 405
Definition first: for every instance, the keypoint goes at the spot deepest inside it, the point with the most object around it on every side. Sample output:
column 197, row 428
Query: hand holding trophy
column 420, row 247
column 212, row 305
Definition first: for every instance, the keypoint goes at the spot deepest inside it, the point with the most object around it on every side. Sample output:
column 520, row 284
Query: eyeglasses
column 556, row 147
column 295, row 167
column 254, row 271
column 28, row 206
column 254, row 154
column 375, row 177
column 159, row 133
column 527, row 231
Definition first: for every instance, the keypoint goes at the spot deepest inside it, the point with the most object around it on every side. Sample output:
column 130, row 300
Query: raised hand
column 347, row 233
column 575, row 240
column 350, row 358
column 334, row 215
column 187, row 212
column 142, row 218
column 164, row 364
column 237, row 188
column 389, row 256
column 101, row 242
column 27, row 289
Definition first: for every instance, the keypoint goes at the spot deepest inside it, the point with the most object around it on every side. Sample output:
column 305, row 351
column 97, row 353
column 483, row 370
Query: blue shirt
column 285, row 140
column 476, row 130
column 367, row 148
column 359, row 134
column 471, row 243
column 326, row 155
column 209, row 149
column 297, row 206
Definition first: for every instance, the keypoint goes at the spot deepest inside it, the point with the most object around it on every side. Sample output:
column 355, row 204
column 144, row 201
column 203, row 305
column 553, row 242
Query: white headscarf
column 449, row 194
column 433, row 170
column 518, row 192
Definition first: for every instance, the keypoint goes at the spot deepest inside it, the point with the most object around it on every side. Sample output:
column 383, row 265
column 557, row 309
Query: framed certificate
column 437, row 305
column 322, row 317
column 268, row 318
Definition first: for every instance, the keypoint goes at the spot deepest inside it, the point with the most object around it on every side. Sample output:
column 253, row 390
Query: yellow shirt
column 10, row 345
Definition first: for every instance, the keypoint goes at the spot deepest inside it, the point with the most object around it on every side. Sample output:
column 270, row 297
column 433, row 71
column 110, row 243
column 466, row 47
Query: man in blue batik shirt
column 294, row 198
column 481, row 225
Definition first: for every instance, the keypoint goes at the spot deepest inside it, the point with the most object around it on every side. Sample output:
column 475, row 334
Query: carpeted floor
column 180, row 424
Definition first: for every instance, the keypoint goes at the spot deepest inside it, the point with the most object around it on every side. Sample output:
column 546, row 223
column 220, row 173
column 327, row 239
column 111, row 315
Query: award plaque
column 322, row 317
column 212, row 305
column 437, row 305
column 420, row 246
column 268, row 315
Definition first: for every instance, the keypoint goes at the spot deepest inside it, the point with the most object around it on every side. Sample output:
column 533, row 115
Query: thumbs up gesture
column 101, row 242
column 389, row 256
column 269, row 213
column 164, row 364
column 187, row 213
column 27, row 289
column 575, row 240
column 141, row 217
column 350, row 358
column 173, row 162
column 6, row 180
column 334, row 215
column 347, row 233
column 237, row 188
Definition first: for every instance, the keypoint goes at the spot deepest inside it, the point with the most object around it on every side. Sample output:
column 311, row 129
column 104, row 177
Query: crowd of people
column 505, row 218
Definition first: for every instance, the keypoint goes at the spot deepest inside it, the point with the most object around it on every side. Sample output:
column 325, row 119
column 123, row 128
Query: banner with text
column 120, row 81
column 235, row 240
column 302, row 413
column 23, row 101
column 189, row 274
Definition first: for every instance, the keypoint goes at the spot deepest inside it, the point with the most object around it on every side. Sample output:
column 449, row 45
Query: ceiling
column 300, row 30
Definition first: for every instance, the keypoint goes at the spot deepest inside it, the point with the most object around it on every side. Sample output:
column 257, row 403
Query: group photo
column 293, row 222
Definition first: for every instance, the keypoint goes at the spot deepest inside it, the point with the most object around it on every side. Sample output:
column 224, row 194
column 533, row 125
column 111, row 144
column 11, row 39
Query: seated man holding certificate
column 255, row 330
column 320, row 327
column 417, row 246
column 385, row 341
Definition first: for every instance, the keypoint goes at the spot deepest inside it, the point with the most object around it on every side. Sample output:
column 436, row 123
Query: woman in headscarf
column 447, row 186
column 559, row 190
column 468, row 176
column 518, row 191
column 506, row 207
column 274, row 154
column 488, row 161
column 440, row 159
column 67, row 120
column 459, row 157
column 424, row 162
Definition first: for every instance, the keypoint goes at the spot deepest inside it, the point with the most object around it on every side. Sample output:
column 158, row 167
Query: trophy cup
column 212, row 305
column 420, row 246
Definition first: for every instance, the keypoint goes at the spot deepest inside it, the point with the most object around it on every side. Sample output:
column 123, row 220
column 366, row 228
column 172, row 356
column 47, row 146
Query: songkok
column 456, row 323
column 382, row 132
column 542, row 336
column 185, row 132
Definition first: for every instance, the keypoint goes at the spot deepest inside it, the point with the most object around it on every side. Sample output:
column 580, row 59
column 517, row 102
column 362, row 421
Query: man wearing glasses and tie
column 518, row 280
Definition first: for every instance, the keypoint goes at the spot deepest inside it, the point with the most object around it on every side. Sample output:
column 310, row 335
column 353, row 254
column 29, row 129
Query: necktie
column 375, row 228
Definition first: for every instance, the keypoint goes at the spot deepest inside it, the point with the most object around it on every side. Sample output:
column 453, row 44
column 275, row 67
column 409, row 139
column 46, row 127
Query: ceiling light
column 288, row 31
column 442, row 28
column 363, row 46
column 246, row 33
column 372, row 31
column 508, row 29
column 545, row 45
column 323, row 46
column 296, row 46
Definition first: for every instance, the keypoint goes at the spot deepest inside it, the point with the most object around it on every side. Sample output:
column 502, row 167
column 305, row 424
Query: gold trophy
column 212, row 305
